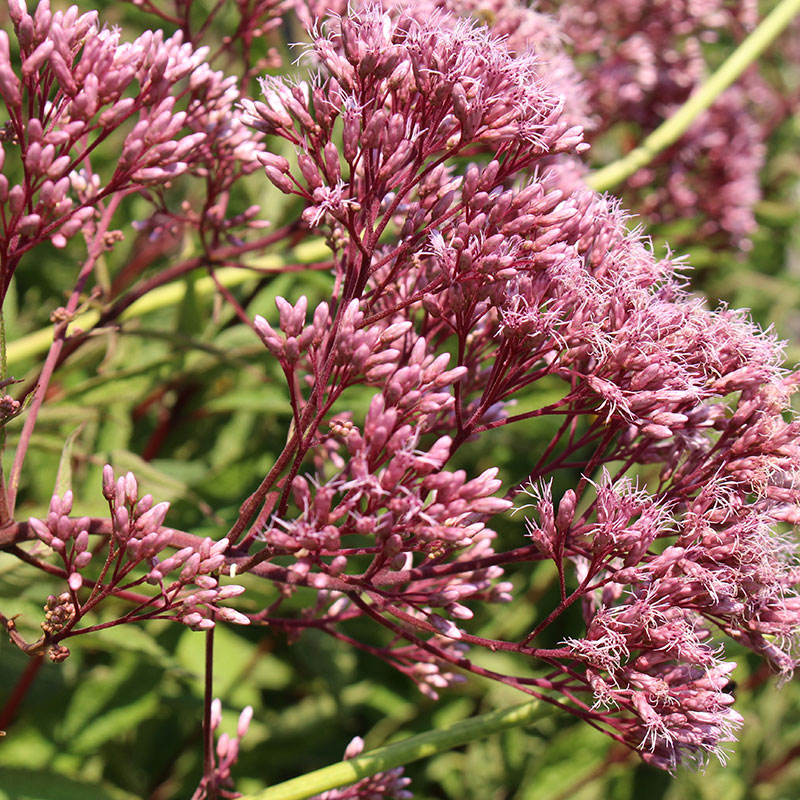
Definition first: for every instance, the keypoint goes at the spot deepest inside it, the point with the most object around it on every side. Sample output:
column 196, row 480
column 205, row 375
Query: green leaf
column 650, row 782
column 190, row 316
column 29, row 784
column 116, row 722
column 92, row 695
column 64, row 474
column 131, row 638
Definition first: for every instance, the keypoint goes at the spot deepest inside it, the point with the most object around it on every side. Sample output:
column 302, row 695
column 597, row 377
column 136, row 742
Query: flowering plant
column 466, row 277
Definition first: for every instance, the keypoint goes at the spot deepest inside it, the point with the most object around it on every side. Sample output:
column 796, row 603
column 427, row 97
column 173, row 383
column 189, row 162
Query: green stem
column 672, row 129
column 395, row 755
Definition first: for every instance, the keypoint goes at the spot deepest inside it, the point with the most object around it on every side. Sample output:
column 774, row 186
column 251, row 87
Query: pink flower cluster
column 673, row 413
column 470, row 267
column 225, row 754
column 72, row 91
column 193, row 596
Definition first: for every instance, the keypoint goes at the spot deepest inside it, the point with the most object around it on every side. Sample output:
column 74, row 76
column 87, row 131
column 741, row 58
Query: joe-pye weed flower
column 470, row 267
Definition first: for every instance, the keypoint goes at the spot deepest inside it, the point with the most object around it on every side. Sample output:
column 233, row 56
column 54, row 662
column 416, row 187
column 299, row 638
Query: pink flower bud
column 244, row 721
column 83, row 559
column 192, row 620
column 231, row 590
column 190, row 568
column 153, row 519
column 121, row 522
column 34, row 62
column 216, row 713
column 81, row 541
column 280, row 181
column 355, row 748
column 108, row 482
column 231, row 615
column 16, row 199
column 41, row 530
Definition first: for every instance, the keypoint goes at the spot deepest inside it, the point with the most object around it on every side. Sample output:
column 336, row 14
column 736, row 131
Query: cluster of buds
column 58, row 612
column 136, row 521
column 188, row 586
column 641, row 78
column 444, row 87
column 524, row 280
column 72, row 91
column 464, row 273
column 66, row 536
column 191, row 596
column 226, row 752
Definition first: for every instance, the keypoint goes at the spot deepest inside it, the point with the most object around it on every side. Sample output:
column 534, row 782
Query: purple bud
column 34, row 62
column 81, row 541
column 566, row 510
column 190, row 568
column 244, row 721
column 153, row 519
column 268, row 336
column 338, row 565
column 309, row 171
column 29, row 224
column 108, row 482
column 82, row 559
column 276, row 162
column 121, row 522
column 444, row 626
column 192, row 620
column 280, row 180
column 41, row 530
column 64, row 528
column 119, row 493
column 231, row 615
column 231, row 590
column 17, row 10
column 144, row 505
column 219, row 547
column 16, row 199
column 354, row 748
column 216, row 713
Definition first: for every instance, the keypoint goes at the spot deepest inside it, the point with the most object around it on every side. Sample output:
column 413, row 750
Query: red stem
column 19, row 691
